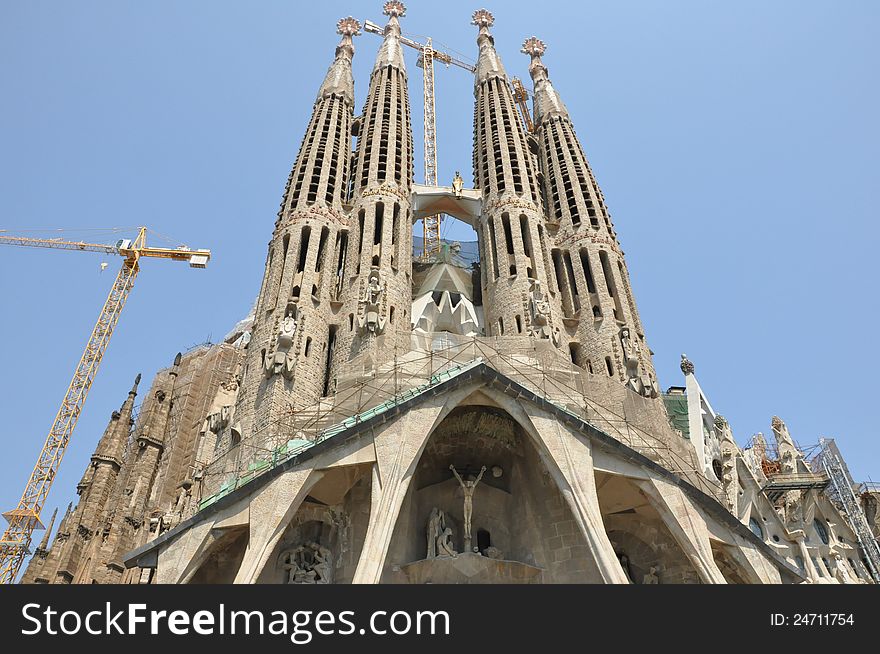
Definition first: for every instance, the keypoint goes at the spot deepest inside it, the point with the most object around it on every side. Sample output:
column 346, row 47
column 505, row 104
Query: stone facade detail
column 492, row 419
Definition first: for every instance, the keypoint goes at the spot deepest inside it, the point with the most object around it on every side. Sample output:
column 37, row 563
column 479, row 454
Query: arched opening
column 484, row 541
column 223, row 559
column 646, row 549
column 730, row 569
column 322, row 543
column 521, row 527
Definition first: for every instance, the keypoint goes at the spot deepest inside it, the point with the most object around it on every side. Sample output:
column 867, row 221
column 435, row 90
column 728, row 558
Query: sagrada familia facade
column 385, row 418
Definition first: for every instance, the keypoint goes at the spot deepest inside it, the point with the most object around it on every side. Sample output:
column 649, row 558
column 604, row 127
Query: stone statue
column 288, row 563
column 539, row 307
column 371, row 320
column 444, row 544
column 322, row 563
column 307, row 564
column 457, row 184
column 280, row 361
column 840, row 571
column 651, row 577
column 436, row 525
column 468, row 487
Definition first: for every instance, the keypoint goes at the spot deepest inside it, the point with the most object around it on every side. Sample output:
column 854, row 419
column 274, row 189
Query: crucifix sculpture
column 468, row 487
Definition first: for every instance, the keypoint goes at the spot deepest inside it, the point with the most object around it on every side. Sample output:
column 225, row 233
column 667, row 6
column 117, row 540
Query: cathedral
column 486, row 414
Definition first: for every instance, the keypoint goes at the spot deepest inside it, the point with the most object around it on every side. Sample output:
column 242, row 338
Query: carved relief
column 307, row 564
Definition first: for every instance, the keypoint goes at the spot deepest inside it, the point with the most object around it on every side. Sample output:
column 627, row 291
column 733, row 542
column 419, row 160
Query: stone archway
column 732, row 571
column 223, row 558
column 323, row 540
column 517, row 508
column 639, row 536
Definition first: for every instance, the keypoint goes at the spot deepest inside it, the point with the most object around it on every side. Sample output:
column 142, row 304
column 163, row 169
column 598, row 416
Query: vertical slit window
column 303, row 248
column 572, row 283
column 361, row 216
column 331, row 346
column 527, row 245
column 494, row 247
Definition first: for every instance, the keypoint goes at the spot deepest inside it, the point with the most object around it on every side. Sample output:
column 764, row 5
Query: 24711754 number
column 811, row 619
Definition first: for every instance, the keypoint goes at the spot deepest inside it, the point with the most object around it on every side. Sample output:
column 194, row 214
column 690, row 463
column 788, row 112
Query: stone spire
column 375, row 284
column 44, row 544
column 546, row 100
column 36, row 564
column 788, row 451
column 590, row 271
column 339, row 80
column 286, row 358
column 391, row 51
column 111, row 447
column 488, row 62
column 520, row 299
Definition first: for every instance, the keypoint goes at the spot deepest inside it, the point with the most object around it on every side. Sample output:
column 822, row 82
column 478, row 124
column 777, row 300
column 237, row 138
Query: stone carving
column 311, row 563
column 729, row 476
column 539, row 308
column 468, row 487
column 651, row 577
column 687, row 367
column 436, row 526
column 641, row 384
column 493, row 553
column 457, row 184
column 371, row 319
column 444, row 544
column 280, row 359
column 840, row 572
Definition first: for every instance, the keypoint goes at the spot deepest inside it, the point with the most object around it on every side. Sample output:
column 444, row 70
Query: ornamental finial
column 687, row 367
column 348, row 26
column 720, row 422
column 394, row 8
column 533, row 46
column 483, row 18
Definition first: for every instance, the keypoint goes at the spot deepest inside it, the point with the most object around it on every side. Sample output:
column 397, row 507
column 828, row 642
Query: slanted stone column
column 686, row 525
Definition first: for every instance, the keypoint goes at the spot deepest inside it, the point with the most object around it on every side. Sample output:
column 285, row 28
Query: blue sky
column 736, row 144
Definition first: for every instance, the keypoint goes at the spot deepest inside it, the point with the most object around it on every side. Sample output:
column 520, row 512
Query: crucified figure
column 468, row 487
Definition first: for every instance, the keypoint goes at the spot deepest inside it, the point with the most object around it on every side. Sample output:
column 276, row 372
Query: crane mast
column 427, row 56
column 25, row 518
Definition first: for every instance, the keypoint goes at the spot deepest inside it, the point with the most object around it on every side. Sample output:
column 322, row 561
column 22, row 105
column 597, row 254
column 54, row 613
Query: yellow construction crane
column 426, row 60
column 522, row 100
column 25, row 518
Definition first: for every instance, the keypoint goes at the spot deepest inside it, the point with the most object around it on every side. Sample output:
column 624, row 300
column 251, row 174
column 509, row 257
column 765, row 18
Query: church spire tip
column 394, row 9
column 534, row 47
column 483, row 19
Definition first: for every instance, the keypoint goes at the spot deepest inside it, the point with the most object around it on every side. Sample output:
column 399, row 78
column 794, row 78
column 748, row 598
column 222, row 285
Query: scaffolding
column 842, row 493
column 365, row 388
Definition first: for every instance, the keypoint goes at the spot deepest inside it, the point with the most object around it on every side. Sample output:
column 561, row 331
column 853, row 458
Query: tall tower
column 133, row 490
column 590, row 270
column 378, row 273
column 519, row 298
column 294, row 325
column 72, row 559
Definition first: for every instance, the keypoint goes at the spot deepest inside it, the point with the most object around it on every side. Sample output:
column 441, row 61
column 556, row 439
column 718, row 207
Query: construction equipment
column 428, row 55
column 25, row 518
column 841, row 493
column 522, row 100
